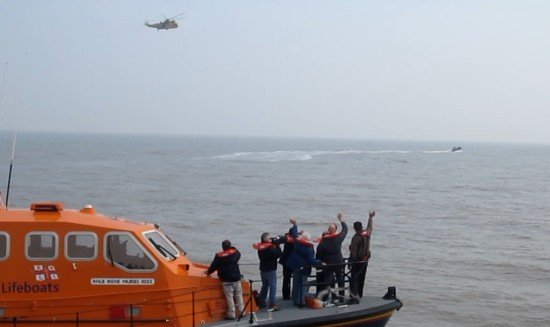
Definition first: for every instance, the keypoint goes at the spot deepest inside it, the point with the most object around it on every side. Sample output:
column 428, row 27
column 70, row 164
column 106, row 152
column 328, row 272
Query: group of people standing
column 297, row 259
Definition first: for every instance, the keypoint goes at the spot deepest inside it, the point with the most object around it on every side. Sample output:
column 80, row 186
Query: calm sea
column 465, row 237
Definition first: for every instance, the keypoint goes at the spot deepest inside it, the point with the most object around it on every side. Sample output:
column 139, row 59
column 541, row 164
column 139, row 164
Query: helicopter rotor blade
column 177, row 16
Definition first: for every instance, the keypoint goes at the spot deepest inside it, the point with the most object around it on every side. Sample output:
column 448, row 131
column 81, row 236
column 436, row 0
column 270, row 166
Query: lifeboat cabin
column 78, row 268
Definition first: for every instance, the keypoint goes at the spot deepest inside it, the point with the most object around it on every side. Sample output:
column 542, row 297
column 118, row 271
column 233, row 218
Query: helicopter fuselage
column 164, row 25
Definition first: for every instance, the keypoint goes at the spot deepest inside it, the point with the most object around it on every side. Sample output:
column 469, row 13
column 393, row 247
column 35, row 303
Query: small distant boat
column 456, row 148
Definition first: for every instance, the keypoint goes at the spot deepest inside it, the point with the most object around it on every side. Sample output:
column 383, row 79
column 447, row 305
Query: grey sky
column 414, row 70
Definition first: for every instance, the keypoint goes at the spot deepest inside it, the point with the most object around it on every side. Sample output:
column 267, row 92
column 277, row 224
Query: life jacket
column 304, row 242
column 365, row 235
column 226, row 253
column 289, row 238
column 327, row 236
column 262, row 246
column 226, row 264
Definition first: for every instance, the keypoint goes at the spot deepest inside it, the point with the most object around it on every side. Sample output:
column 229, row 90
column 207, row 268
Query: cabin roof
column 50, row 212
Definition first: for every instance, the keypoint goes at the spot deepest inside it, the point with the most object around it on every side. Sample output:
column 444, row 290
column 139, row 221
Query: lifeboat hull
column 370, row 312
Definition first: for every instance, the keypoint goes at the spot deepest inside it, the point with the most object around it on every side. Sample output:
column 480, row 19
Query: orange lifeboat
column 75, row 267
column 79, row 268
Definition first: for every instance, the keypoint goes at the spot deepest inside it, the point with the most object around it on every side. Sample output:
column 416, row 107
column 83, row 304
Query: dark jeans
column 269, row 283
column 332, row 273
column 357, row 282
column 287, row 277
column 299, row 286
column 319, row 279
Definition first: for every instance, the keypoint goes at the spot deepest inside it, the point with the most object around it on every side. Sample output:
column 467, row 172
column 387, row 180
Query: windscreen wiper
column 162, row 249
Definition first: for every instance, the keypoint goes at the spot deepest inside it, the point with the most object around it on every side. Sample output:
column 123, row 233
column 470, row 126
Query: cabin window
column 165, row 248
column 4, row 245
column 81, row 246
column 41, row 245
column 126, row 252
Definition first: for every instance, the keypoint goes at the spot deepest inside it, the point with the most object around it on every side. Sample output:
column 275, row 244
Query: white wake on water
column 297, row 155
column 280, row 155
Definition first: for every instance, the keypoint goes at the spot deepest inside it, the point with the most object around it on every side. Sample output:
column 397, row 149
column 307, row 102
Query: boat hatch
column 47, row 207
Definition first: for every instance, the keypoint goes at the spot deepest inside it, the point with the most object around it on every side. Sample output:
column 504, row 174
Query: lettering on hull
column 18, row 287
column 122, row 281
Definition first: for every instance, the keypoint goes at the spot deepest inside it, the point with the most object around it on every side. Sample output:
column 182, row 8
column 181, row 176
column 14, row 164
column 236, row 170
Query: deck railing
column 344, row 283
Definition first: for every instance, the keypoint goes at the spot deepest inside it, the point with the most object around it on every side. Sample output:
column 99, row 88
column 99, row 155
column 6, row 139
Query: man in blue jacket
column 300, row 262
column 226, row 264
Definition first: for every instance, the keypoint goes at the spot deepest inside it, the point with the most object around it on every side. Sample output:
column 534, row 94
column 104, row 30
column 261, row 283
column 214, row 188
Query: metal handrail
column 346, row 274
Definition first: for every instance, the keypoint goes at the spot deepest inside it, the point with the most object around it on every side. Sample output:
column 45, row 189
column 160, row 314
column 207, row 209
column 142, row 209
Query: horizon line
column 249, row 136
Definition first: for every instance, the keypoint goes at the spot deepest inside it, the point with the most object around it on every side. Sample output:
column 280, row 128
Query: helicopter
column 166, row 24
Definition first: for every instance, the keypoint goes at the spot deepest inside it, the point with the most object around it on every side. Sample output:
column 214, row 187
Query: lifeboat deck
column 371, row 311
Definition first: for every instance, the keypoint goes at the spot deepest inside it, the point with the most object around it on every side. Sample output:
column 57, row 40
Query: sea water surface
column 465, row 236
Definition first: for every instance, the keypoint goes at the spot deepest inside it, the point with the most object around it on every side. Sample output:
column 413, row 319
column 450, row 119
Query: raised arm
column 344, row 231
column 294, row 229
column 372, row 213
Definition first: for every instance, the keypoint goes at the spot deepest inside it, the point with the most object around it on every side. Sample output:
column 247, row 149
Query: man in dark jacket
column 226, row 264
column 329, row 251
column 268, row 253
column 359, row 254
column 287, row 272
column 300, row 262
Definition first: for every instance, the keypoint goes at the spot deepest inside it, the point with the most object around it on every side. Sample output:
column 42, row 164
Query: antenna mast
column 11, row 168
column 3, row 85
column 2, row 205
